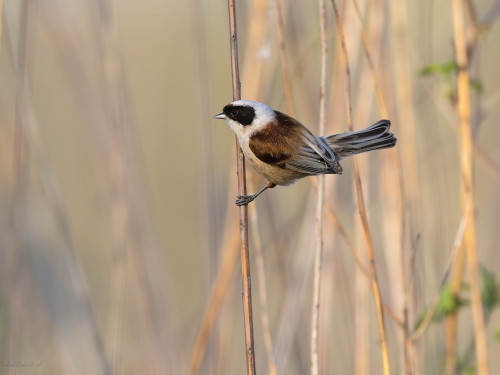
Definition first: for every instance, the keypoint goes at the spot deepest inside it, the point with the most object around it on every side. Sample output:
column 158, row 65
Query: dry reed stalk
column 291, row 111
column 243, row 210
column 376, row 82
column 404, row 74
column 333, row 279
column 253, row 63
column 364, row 42
column 70, row 253
column 220, row 286
column 154, row 283
column 254, row 77
column 261, row 274
column 251, row 74
column 290, row 318
column 219, row 289
column 113, row 87
column 451, row 319
column 430, row 312
column 333, row 217
column 14, row 267
column 362, row 113
column 290, row 107
column 467, row 190
column 478, row 151
column 204, row 137
column 486, row 160
column 29, row 138
column 204, row 134
column 456, row 272
column 226, row 321
column 362, row 209
column 408, row 345
column 287, row 88
column 362, row 322
column 1, row 23
column 410, row 184
column 320, row 201
column 375, row 40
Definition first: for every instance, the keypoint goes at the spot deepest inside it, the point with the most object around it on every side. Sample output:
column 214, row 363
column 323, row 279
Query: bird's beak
column 221, row 116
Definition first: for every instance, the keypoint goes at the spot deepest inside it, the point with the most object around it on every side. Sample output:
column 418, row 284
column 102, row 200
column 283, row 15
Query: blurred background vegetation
column 117, row 188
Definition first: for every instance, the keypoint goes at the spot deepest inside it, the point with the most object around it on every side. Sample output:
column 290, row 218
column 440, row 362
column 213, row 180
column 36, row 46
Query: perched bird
column 283, row 150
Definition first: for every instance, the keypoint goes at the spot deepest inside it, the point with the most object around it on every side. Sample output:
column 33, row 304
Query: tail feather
column 374, row 137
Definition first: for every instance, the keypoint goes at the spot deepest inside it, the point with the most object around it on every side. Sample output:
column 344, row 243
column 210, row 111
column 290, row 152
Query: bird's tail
column 374, row 137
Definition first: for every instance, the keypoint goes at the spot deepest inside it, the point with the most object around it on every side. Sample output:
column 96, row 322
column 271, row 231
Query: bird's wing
column 314, row 157
column 294, row 147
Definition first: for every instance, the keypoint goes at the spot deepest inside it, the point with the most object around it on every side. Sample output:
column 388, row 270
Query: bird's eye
column 234, row 112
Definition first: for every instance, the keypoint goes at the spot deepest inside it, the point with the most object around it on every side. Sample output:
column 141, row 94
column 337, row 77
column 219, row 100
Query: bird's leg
column 245, row 199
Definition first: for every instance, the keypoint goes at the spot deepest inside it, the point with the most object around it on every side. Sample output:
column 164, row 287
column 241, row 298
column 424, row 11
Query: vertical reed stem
column 261, row 275
column 283, row 59
column 320, row 201
column 466, row 186
column 362, row 210
column 243, row 210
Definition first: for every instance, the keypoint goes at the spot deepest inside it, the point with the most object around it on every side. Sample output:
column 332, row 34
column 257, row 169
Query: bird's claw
column 242, row 200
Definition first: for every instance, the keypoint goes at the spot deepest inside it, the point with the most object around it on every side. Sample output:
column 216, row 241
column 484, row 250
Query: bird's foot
column 242, row 200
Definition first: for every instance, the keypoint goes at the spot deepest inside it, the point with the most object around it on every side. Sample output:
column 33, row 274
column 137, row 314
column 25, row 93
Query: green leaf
column 496, row 335
column 444, row 69
column 489, row 289
column 446, row 305
column 447, row 302
column 470, row 371
column 464, row 366
column 476, row 85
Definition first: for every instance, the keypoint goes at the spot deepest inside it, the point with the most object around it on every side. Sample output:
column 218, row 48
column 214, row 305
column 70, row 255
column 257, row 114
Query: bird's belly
column 272, row 173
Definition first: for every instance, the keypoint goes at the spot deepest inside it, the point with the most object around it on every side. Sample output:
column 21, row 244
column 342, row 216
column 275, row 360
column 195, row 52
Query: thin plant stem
column 13, row 267
column 243, row 210
column 219, row 289
column 220, row 286
column 253, row 73
column 411, row 262
column 113, row 76
column 290, row 316
column 31, row 139
column 284, row 61
column 451, row 319
column 362, row 210
column 256, row 35
column 397, row 160
column 364, row 42
column 430, row 313
column 151, row 276
column 261, row 274
column 254, row 76
column 333, row 217
column 340, row 228
column 467, row 191
column 479, row 152
column 320, row 201
column 204, row 134
column 204, row 137
column 407, row 150
column 408, row 344
column 486, row 160
column 1, row 23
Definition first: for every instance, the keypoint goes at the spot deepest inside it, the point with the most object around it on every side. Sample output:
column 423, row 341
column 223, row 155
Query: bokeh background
column 117, row 188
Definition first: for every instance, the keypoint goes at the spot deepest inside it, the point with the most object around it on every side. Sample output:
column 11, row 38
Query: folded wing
column 288, row 144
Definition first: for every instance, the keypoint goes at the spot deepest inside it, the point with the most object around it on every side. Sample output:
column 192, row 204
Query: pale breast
column 272, row 173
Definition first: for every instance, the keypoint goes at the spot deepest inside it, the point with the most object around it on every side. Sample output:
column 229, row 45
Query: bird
column 283, row 150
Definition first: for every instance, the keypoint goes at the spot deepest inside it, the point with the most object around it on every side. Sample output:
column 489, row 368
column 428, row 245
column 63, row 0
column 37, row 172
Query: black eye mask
column 240, row 113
